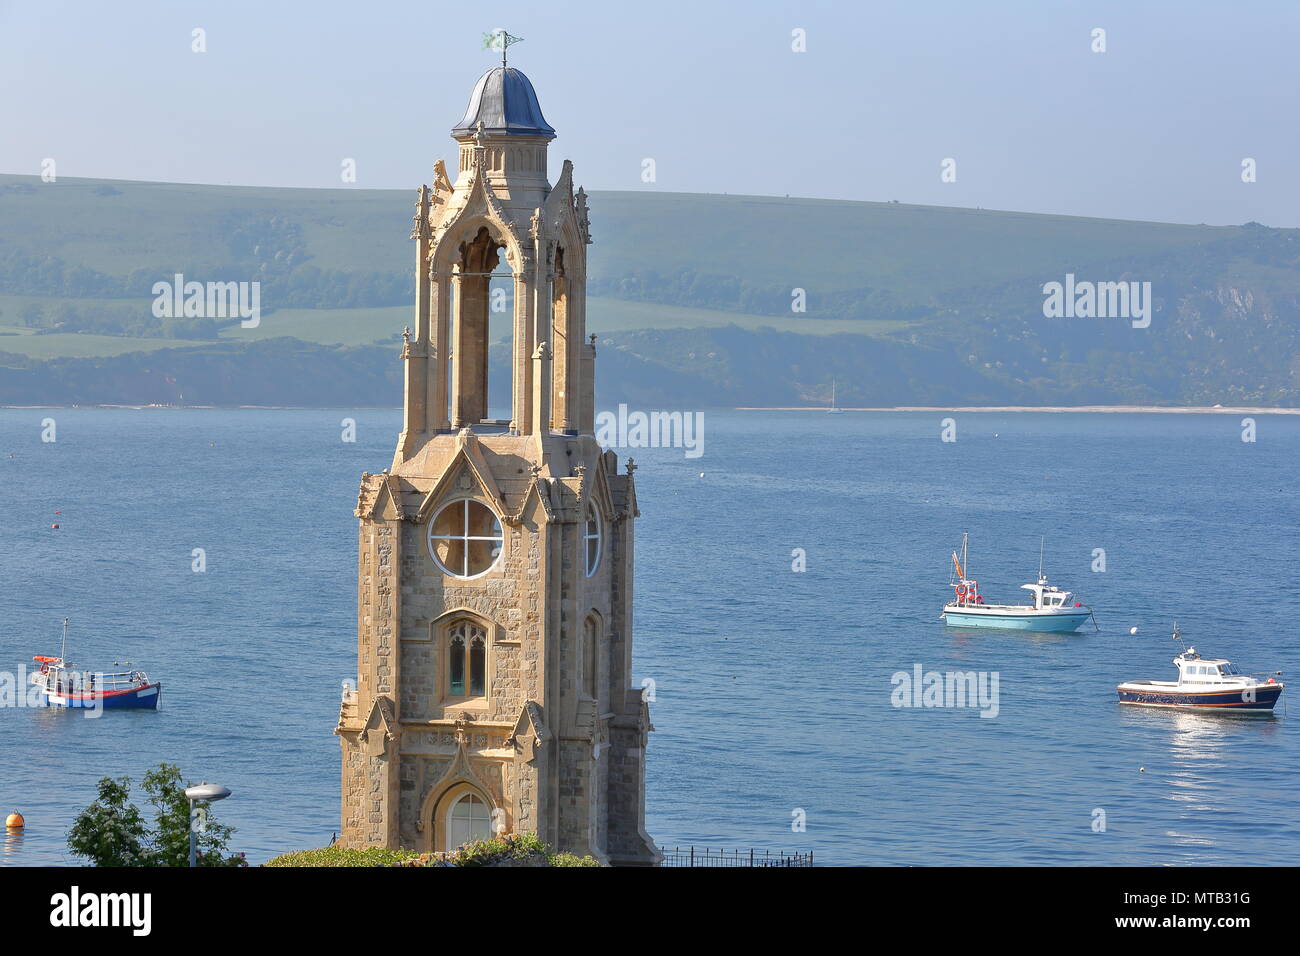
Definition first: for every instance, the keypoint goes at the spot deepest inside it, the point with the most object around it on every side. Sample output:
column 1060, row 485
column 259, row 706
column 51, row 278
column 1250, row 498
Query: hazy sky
column 1156, row 127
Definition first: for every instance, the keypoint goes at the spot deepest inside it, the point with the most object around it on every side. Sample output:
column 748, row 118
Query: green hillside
column 914, row 253
column 117, row 227
column 954, row 296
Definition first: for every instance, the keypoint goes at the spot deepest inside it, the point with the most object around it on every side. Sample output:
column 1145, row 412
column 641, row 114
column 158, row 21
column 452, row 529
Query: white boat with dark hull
column 1206, row 684
column 1052, row 610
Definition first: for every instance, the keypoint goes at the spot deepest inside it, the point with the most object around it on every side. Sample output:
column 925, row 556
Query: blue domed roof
column 504, row 102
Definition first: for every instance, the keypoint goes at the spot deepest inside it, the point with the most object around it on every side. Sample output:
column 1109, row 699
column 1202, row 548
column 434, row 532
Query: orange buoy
column 15, row 821
column 55, row 526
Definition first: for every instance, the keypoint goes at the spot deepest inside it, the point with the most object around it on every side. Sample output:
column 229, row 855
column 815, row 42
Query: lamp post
column 204, row 793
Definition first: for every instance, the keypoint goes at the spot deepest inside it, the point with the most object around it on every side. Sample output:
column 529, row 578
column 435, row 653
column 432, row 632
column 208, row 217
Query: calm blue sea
column 773, row 687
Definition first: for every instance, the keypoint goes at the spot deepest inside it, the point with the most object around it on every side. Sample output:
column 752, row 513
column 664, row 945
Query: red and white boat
column 63, row 686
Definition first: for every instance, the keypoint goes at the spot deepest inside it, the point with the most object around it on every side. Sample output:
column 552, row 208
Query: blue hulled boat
column 63, row 686
column 1052, row 610
column 1207, row 684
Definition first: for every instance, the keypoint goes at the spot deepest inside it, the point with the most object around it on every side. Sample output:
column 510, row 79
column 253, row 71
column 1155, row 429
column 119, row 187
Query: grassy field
column 366, row 326
column 372, row 326
column 329, row 326
column 916, row 252
column 12, row 306
column 73, row 345
column 17, row 339
column 618, row 315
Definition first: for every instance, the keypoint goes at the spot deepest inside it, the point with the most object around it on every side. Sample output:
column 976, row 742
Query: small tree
column 171, row 843
column 112, row 832
column 32, row 315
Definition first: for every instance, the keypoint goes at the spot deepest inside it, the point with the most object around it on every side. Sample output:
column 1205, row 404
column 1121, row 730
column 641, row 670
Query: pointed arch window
column 590, row 658
column 466, row 660
column 465, row 538
column 591, row 539
column 477, row 666
column 468, row 819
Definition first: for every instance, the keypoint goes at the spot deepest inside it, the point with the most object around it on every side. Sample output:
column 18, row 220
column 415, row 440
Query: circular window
column 465, row 538
column 591, row 538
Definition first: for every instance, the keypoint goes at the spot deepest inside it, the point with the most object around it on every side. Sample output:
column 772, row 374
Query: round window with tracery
column 465, row 538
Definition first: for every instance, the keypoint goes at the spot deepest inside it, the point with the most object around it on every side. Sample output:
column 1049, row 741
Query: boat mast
column 63, row 651
column 1041, row 541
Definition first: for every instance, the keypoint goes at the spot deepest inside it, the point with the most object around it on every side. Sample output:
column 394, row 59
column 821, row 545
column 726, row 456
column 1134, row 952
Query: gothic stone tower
column 494, row 647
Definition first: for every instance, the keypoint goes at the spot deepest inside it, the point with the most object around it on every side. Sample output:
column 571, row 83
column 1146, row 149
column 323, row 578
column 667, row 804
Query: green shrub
column 569, row 859
column 498, row 851
column 342, row 856
column 520, row 849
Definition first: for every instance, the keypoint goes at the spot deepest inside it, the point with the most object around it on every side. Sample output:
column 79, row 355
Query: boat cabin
column 1047, row 597
column 1194, row 669
column 56, row 676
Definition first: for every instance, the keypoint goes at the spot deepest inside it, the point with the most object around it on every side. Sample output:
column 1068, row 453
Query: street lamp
column 204, row 793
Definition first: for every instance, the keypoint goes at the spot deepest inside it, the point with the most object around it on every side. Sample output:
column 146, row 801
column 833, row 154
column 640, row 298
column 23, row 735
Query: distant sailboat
column 834, row 409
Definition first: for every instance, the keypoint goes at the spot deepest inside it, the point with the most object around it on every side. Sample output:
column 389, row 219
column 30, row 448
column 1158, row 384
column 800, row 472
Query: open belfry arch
column 494, row 651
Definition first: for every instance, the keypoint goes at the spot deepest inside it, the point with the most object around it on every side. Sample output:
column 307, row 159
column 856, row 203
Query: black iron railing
column 703, row 856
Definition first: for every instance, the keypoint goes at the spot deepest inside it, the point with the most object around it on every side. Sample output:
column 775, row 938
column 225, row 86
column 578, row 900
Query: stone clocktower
column 494, row 650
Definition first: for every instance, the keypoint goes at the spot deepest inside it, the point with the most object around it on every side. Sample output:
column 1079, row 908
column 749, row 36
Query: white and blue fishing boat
column 64, row 686
column 1205, row 684
column 1052, row 610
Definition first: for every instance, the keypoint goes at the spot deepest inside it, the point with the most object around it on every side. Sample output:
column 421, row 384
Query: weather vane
column 500, row 40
